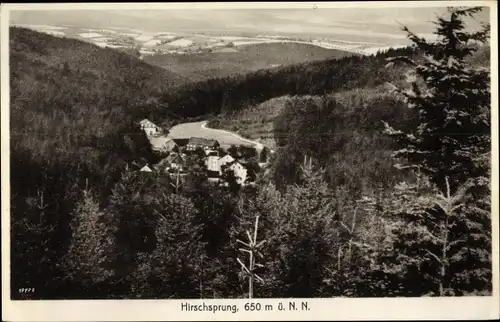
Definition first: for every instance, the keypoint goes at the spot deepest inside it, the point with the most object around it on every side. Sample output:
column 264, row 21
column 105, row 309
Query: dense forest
column 242, row 59
column 74, row 111
column 221, row 95
column 255, row 121
column 371, row 192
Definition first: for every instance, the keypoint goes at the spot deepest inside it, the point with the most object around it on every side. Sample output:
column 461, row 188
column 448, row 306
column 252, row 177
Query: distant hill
column 110, row 64
column 242, row 59
column 59, row 82
column 255, row 120
column 258, row 122
column 72, row 102
column 74, row 109
column 226, row 95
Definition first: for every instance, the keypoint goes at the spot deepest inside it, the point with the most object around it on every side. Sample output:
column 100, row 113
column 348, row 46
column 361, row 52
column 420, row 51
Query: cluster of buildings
column 176, row 153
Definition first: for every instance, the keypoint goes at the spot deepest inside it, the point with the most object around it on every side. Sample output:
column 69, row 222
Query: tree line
column 223, row 95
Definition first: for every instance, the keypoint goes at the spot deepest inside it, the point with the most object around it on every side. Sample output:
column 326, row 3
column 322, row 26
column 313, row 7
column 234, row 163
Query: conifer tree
column 308, row 236
column 175, row 267
column 443, row 226
column 88, row 258
column 440, row 242
column 453, row 101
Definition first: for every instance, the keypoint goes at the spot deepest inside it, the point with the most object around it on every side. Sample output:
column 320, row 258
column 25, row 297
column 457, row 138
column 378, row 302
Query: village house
column 173, row 162
column 209, row 152
column 215, row 163
column 176, row 163
column 216, row 166
column 240, row 172
column 162, row 144
column 195, row 143
column 211, row 162
column 150, row 128
column 224, row 160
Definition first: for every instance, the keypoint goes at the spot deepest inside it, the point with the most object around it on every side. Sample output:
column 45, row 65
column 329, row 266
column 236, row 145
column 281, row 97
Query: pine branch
column 344, row 226
column 467, row 11
column 253, row 252
column 433, row 237
column 433, row 255
column 239, row 241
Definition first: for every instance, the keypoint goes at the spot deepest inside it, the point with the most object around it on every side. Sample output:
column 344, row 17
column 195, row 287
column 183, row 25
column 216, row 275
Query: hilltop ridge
column 85, row 96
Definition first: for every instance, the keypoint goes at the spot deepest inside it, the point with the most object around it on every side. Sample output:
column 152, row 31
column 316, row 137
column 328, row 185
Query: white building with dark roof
column 150, row 128
column 225, row 160
column 240, row 172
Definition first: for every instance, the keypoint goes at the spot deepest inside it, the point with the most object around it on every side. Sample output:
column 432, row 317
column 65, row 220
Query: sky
column 380, row 25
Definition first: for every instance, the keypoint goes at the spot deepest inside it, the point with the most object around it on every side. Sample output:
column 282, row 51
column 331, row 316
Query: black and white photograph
column 240, row 153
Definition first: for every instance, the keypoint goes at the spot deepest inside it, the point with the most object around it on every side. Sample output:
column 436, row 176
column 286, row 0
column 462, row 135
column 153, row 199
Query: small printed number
column 27, row 290
column 252, row 307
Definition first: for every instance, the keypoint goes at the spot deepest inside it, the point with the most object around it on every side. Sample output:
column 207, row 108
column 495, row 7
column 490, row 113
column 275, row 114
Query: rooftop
column 202, row 141
column 181, row 142
column 157, row 142
column 171, row 158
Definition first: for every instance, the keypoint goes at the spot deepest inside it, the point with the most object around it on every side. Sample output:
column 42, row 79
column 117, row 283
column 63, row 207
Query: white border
column 241, row 5
column 319, row 309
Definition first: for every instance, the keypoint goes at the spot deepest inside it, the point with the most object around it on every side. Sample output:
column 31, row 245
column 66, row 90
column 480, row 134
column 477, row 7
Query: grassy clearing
column 257, row 122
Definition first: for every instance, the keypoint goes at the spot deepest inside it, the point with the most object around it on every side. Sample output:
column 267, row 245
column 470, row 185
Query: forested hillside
column 242, row 59
column 74, row 112
column 82, row 92
column 342, row 129
column 379, row 185
column 254, row 118
column 222, row 95
column 73, row 102
column 407, row 168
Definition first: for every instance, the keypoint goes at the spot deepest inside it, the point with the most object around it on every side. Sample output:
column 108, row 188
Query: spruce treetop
column 453, row 103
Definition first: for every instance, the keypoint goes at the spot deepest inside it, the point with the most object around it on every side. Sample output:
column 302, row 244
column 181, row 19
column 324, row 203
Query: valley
column 200, row 56
column 140, row 160
column 165, row 42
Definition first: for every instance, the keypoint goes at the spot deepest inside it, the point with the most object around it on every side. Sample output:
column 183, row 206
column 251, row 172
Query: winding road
column 200, row 129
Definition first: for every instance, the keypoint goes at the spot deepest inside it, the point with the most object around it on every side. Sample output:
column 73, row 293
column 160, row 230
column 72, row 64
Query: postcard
column 250, row 161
